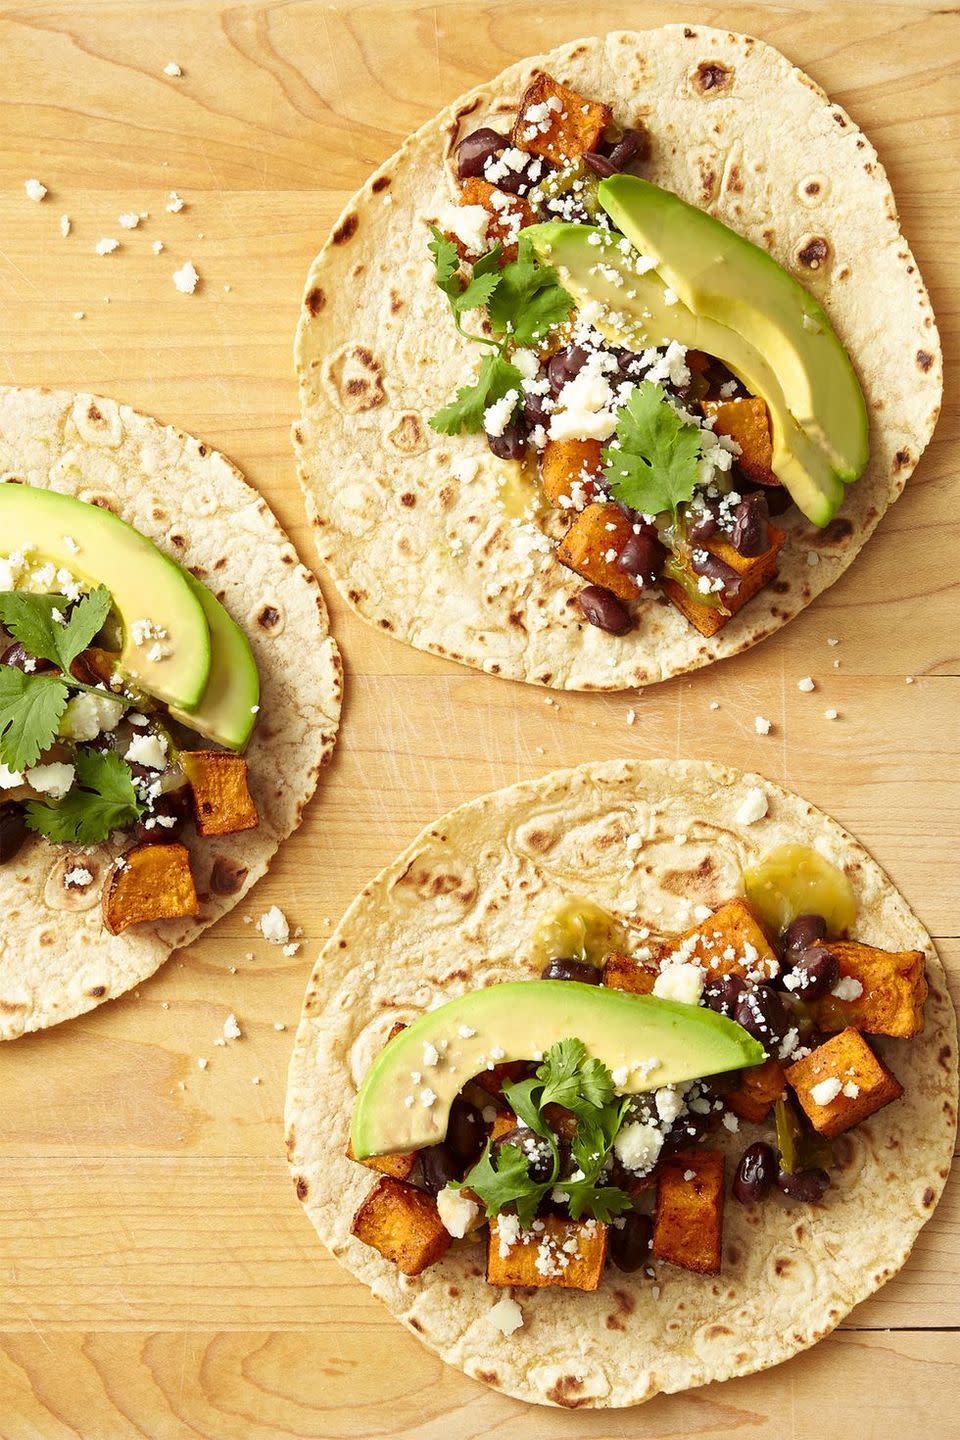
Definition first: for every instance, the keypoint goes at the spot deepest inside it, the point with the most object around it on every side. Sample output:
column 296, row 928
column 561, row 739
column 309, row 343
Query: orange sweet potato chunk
column 579, row 1268
column 847, row 1061
column 746, row 421
column 756, row 1091
column 562, row 126
column 568, row 469
column 620, row 972
column 756, row 570
column 733, row 928
column 148, row 882
column 222, row 802
column 688, row 1223
column 894, row 991
column 403, row 1223
column 507, row 219
column 590, row 547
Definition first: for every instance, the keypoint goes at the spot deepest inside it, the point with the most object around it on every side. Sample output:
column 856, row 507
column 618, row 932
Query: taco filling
column 670, row 385
column 576, row 1117
column 127, row 696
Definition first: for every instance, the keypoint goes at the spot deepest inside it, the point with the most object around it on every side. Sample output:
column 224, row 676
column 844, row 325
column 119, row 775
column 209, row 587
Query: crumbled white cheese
column 202, row 1063
column 669, row 1103
column 587, row 408
column 806, row 684
column 173, row 69
column 66, row 225
column 35, row 191
column 832, row 714
column 431, row 1055
column 465, row 1032
column 186, row 279
column 469, row 224
column 78, row 878
column 129, row 219
column 753, row 807
column 506, row 1316
column 106, row 246
column 457, row 1211
column 496, row 417
column 231, row 1028
column 847, row 988
column 826, row 1091
column 9, row 778
column 174, row 203
column 53, row 780
column 851, row 1089
column 762, row 725
column 637, row 1146
column 87, row 715
column 731, row 1122
column 274, row 926
column 148, row 750
column 680, row 982
column 157, row 247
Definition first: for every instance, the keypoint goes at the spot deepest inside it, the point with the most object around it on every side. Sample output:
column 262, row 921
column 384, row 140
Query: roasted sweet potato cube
column 148, row 882
column 222, row 803
column 556, row 122
column 746, row 421
column 403, row 1223
column 542, row 1257
column 503, row 1123
column 755, row 572
column 688, row 1223
column 756, row 1091
column 591, row 545
column 841, row 1083
column 894, row 990
column 493, row 1080
column 731, row 942
column 509, row 214
column 620, row 972
column 568, row 469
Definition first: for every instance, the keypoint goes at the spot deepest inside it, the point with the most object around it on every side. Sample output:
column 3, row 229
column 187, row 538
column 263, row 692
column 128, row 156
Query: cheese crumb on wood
column 274, row 926
column 186, row 279
column 173, row 69
column 806, row 684
column 35, row 191
column 106, row 246
column 762, row 725
column 231, row 1028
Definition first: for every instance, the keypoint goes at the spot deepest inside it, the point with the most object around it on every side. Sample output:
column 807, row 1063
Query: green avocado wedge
column 228, row 709
column 98, row 548
column 724, row 277
column 644, row 1041
column 631, row 307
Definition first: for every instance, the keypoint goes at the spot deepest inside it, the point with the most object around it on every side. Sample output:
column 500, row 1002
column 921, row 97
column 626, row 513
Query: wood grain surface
column 157, row 1276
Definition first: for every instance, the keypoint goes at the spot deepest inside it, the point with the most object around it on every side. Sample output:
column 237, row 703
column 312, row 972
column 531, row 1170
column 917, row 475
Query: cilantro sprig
column 501, row 1178
column 32, row 705
column 654, row 464
column 103, row 799
column 524, row 300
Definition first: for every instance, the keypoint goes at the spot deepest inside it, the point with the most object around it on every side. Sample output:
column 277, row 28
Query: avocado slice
column 657, row 1042
column 227, row 712
column 100, row 549
column 724, row 277
column 631, row 309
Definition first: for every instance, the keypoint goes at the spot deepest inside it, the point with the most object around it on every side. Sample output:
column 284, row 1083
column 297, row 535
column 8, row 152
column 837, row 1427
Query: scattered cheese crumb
column 66, row 225
column 506, row 1316
column 35, row 191
column 457, row 1211
column 172, row 68
column 832, row 640
column 753, row 808
column 106, row 246
column 680, row 982
column 274, row 926
column 202, row 1063
column 157, row 247
column 847, row 988
column 129, row 220
column 174, row 203
column 812, row 558
column 186, row 278
column 832, row 714
column 231, row 1028
column 826, row 1091
column 714, row 705
column 806, row 684
column 255, row 1080
column 762, row 725
column 631, row 716
column 53, row 780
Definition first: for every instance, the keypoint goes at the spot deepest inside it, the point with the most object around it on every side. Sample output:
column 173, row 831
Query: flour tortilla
column 456, row 912
column 56, row 958
column 428, row 551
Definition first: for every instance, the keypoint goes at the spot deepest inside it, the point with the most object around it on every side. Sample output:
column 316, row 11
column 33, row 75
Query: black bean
column 565, row 365
column 629, row 363
column 642, row 556
column 534, row 411
column 465, row 1131
column 630, row 1244
column 633, row 145
column 689, row 1129
column 599, row 164
column 806, row 1185
column 512, row 444
column 563, row 968
column 20, row 659
column 750, row 532
column 756, row 1173
column 804, row 931
column 537, row 1151
column 517, row 182
column 437, row 1168
column 13, row 830
column 475, row 150
column 703, row 563
column 817, row 970
column 175, row 805
column 604, row 610
column 724, row 994
column 701, row 525
column 779, row 499
column 761, row 1013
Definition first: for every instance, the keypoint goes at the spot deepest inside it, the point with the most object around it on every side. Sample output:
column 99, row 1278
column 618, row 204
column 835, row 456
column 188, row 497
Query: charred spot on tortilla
column 315, row 300
column 346, row 229
column 711, row 77
column 814, row 252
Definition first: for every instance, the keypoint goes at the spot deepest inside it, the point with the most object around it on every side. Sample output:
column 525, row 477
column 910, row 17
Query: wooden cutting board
column 157, row 1276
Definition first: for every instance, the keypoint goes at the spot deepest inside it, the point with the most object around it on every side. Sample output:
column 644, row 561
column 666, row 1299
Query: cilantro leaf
column 103, row 799
column 596, row 1083
column 502, row 1177
column 560, row 1073
column 655, row 466
column 464, row 295
column 32, row 619
column 521, row 1101
column 602, row 1203
column 30, row 711
column 529, row 299
column 496, row 377
column 445, row 258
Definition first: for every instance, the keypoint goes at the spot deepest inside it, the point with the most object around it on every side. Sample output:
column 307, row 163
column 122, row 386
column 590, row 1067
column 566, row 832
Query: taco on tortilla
column 630, row 1048
column 614, row 365
column 168, row 694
